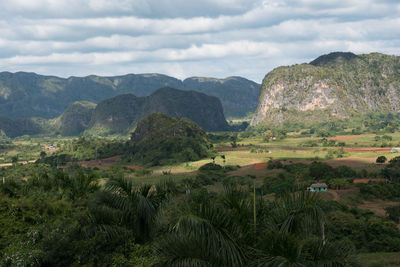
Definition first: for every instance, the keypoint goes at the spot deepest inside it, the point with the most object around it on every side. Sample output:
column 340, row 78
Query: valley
column 139, row 174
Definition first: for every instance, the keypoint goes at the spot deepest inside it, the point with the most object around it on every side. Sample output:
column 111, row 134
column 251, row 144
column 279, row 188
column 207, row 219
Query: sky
column 184, row 38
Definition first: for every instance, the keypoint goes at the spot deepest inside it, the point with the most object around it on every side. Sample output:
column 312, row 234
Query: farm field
column 360, row 151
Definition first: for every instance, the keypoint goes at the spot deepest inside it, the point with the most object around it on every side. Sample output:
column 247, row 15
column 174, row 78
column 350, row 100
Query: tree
column 223, row 159
column 139, row 206
column 381, row 159
column 394, row 213
column 392, row 170
column 203, row 237
column 14, row 159
column 233, row 139
column 320, row 170
column 42, row 154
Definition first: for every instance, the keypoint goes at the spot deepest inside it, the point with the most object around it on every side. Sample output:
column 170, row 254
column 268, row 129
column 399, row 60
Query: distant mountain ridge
column 120, row 114
column 332, row 86
column 24, row 95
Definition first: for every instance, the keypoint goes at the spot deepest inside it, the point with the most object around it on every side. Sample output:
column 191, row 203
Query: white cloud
column 186, row 38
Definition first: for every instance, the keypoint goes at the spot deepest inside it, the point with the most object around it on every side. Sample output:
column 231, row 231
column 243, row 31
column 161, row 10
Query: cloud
column 188, row 38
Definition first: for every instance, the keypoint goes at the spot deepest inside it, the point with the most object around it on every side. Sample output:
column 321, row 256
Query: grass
column 290, row 149
column 382, row 259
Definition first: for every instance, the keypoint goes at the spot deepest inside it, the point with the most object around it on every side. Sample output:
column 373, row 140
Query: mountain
column 332, row 86
column 159, row 139
column 24, row 95
column 75, row 119
column 120, row 114
column 18, row 127
column 238, row 95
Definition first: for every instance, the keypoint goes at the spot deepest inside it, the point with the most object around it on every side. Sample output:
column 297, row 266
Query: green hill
column 238, row 95
column 75, row 119
column 159, row 139
column 336, row 85
column 120, row 114
column 24, row 95
column 18, row 127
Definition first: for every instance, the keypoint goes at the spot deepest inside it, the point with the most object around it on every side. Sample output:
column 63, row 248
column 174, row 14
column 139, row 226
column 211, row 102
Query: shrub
column 381, row 159
column 210, row 167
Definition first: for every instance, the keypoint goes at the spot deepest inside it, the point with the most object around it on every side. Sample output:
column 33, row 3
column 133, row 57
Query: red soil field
column 260, row 166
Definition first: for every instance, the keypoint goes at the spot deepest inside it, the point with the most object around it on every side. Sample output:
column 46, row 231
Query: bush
column 210, row 167
column 393, row 213
column 381, row 159
column 274, row 164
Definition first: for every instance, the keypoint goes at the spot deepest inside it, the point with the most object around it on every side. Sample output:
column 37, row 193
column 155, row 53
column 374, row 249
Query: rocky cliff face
column 333, row 85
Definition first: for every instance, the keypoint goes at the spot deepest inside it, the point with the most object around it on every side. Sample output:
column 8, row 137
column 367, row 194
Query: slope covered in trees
column 31, row 95
column 121, row 113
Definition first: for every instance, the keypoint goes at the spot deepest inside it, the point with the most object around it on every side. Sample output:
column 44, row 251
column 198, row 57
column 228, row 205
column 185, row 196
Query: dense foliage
column 85, row 148
column 63, row 217
column 160, row 140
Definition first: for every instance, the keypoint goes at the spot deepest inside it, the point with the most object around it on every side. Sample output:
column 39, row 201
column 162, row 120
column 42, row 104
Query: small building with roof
column 318, row 187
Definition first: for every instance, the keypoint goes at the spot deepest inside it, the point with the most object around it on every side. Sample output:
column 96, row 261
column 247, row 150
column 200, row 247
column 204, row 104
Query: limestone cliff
column 333, row 85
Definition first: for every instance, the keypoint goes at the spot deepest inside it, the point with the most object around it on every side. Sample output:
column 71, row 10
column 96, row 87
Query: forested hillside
column 27, row 95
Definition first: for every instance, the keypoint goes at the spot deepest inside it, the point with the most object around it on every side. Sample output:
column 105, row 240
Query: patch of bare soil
column 367, row 180
column 328, row 195
column 348, row 192
column 377, row 206
column 260, row 166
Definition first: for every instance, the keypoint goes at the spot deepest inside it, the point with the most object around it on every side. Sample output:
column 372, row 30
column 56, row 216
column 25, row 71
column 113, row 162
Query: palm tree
column 286, row 249
column 139, row 206
column 203, row 237
column 297, row 213
column 223, row 159
column 287, row 237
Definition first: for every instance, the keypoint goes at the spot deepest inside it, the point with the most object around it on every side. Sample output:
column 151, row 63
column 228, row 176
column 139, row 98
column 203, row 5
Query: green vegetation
column 18, row 127
column 380, row 259
column 160, row 140
column 238, row 96
column 32, row 95
column 75, row 119
column 119, row 115
column 144, row 202
column 325, row 89
column 381, row 191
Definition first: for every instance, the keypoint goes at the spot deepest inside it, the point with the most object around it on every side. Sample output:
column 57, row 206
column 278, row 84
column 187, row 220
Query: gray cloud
column 185, row 38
